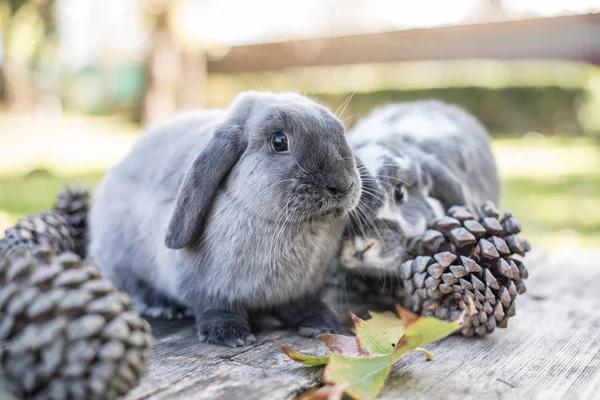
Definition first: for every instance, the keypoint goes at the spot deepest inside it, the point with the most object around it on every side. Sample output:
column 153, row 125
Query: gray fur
column 439, row 153
column 205, row 214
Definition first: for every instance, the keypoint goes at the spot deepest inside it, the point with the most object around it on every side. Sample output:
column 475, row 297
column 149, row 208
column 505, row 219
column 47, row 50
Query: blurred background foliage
column 81, row 79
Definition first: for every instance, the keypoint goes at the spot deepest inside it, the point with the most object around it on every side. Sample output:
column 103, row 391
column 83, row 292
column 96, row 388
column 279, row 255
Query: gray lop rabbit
column 230, row 212
column 425, row 157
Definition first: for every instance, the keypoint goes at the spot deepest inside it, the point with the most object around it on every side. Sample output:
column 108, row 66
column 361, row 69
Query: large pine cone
column 73, row 203
column 70, row 333
column 47, row 228
column 461, row 256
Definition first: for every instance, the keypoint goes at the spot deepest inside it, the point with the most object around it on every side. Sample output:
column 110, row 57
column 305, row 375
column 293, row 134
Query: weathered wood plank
column 182, row 367
column 550, row 350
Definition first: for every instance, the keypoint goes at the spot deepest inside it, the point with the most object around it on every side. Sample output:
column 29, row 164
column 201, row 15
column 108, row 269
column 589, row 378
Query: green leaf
column 305, row 359
column 388, row 323
column 429, row 329
column 369, row 338
column 423, row 330
column 426, row 330
column 360, row 365
column 364, row 376
column 345, row 345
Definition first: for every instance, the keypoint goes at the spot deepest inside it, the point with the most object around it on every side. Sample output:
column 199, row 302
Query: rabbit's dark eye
column 279, row 142
column 399, row 193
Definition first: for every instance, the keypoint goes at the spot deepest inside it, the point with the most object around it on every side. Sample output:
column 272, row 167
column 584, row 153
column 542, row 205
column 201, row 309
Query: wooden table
column 550, row 350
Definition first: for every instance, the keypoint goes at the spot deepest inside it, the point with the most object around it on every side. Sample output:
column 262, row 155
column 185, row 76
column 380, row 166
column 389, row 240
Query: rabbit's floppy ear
column 446, row 186
column 206, row 173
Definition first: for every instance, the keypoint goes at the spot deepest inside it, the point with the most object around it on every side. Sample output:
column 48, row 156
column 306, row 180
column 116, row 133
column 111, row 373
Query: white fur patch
column 371, row 129
column 393, row 213
column 371, row 157
column 426, row 125
column 436, row 206
column 411, row 230
column 387, row 211
column 372, row 258
column 415, row 123
column 402, row 162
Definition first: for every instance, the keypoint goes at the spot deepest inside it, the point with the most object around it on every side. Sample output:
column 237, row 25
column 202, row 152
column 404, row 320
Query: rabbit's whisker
column 302, row 169
column 340, row 110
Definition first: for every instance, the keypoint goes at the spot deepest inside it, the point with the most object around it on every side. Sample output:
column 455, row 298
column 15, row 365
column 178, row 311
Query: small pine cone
column 73, row 203
column 47, row 228
column 461, row 256
column 9, row 243
column 70, row 333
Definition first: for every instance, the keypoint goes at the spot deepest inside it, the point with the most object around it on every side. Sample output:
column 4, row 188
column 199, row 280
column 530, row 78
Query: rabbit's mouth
column 343, row 205
column 376, row 244
column 336, row 212
column 332, row 213
column 371, row 254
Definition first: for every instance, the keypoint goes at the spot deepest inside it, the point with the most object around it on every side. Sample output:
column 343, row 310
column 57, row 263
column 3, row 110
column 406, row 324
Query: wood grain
column 551, row 350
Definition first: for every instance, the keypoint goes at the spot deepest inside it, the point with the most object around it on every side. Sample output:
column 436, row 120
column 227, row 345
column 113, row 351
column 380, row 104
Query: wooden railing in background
column 575, row 37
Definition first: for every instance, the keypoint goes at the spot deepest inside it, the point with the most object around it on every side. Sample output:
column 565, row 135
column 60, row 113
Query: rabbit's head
column 424, row 156
column 281, row 157
column 412, row 188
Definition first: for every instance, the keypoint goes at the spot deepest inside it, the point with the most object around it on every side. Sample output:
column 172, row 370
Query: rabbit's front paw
column 324, row 321
column 224, row 328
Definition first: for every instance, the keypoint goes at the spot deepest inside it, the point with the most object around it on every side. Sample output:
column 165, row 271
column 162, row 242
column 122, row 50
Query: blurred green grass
column 557, row 210
column 21, row 195
column 551, row 184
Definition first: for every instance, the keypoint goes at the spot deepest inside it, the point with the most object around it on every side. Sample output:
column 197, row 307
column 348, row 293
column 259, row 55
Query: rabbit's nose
column 339, row 189
column 360, row 254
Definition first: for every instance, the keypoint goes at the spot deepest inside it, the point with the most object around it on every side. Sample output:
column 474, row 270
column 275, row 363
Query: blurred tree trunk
column 192, row 91
column 164, row 67
column 46, row 9
column 18, row 88
column 176, row 73
column 44, row 60
column 4, row 23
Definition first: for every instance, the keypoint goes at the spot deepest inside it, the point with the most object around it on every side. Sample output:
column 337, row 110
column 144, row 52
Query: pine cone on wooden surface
column 73, row 203
column 63, row 229
column 49, row 228
column 70, row 334
column 461, row 256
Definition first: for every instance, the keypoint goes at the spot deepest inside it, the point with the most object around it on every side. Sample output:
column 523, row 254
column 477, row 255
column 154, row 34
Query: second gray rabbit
column 425, row 157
